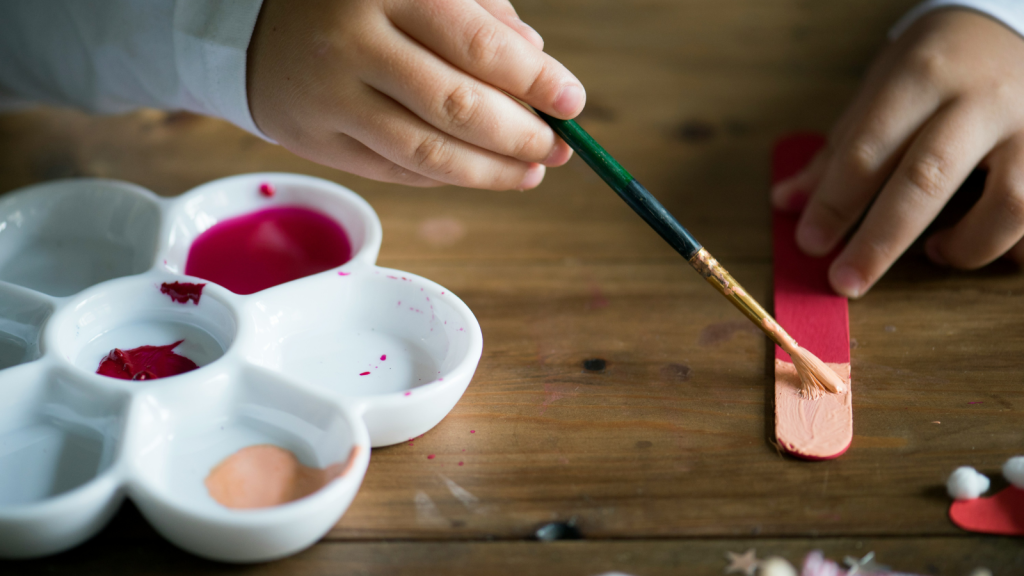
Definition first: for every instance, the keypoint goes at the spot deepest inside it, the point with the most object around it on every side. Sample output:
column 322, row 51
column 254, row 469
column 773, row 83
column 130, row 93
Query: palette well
column 293, row 380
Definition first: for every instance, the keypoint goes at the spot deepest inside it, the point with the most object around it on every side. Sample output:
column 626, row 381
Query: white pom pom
column 966, row 483
column 1013, row 471
column 775, row 566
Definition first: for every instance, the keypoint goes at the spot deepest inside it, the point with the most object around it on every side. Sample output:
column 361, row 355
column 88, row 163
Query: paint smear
column 182, row 292
column 265, row 475
column 145, row 363
column 820, row 428
column 256, row 251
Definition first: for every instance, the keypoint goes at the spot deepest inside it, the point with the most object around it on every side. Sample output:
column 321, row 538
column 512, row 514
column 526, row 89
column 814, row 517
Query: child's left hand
column 944, row 98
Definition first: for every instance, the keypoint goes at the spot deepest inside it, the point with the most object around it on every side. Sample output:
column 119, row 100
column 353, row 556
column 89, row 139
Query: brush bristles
column 816, row 377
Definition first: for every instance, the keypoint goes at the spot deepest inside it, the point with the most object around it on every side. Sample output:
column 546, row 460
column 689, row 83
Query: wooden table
column 662, row 458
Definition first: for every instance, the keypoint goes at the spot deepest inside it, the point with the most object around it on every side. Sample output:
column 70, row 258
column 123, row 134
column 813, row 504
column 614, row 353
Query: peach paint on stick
column 817, row 318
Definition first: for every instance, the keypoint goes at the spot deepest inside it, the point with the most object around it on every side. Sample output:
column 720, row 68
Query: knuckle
column 831, row 213
column 864, row 157
column 527, row 147
column 927, row 177
column 928, row 64
column 461, row 106
column 485, row 44
column 433, row 155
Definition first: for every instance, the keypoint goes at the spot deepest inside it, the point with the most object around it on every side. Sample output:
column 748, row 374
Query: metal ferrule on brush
column 716, row 275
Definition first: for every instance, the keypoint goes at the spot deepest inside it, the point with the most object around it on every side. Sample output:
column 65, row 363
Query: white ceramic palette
column 81, row 266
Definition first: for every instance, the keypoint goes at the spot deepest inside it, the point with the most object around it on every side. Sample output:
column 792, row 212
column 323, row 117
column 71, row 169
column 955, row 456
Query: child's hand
column 410, row 91
column 944, row 98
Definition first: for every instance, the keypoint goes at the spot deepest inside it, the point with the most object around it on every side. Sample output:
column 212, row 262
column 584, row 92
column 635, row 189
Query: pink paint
column 408, row 393
column 145, row 363
column 472, row 431
column 183, row 291
column 364, row 373
column 344, row 273
column 256, row 251
column 383, row 357
column 460, row 462
column 267, row 189
column 430, row 456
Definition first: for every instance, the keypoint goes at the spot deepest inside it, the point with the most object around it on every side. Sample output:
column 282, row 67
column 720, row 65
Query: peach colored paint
column 817, row 428
column 266, row 475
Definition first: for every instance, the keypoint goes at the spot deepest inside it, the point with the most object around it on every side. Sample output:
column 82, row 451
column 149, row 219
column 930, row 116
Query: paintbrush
column 815, row 376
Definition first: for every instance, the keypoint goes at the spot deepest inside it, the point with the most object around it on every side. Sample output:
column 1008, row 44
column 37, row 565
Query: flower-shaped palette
column 324, row 366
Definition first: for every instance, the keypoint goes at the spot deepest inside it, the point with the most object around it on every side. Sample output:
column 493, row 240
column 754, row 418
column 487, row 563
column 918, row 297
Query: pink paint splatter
column 383, row 357
column 460, row 462
column 267, row 189
column 409, row 393
column 392, row 277
column 430, row 456
column 364, row 373
column 344, row 273
column 472, row 431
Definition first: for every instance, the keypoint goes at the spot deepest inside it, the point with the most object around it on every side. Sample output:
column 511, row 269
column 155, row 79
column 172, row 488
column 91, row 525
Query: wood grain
column 670, row 439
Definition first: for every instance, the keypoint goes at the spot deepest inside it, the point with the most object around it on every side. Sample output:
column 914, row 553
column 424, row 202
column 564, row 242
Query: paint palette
column 324, row 366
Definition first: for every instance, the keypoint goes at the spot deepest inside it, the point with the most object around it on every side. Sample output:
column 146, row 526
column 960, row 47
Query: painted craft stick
column 820, row 428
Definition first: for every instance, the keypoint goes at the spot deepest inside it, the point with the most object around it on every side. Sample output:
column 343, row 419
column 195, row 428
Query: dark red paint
column 145, row 363
column 183, row 291
column 256, row 251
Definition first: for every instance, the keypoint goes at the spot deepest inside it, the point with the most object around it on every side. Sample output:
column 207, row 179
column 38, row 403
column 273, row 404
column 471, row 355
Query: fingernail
column 532, row 178
column 560, row 155
column 569, row 100
column 847, row 281
column 812, row 239
column 931, row 248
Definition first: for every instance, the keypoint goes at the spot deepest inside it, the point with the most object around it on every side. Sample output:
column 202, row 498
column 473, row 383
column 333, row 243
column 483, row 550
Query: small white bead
column 966, row 483
column 775, row 566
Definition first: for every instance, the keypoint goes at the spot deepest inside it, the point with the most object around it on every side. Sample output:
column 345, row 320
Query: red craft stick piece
column 814, row 315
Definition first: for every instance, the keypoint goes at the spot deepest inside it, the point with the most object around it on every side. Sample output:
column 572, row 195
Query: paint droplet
column 267, row 189
column 383, row 356
column 363, row 373
column 343, row 273
column 472, row 431
column 182, row 292
column 408, row 393
column 430, row 456
column 594, row 364
column 460, row 462
column 441, row 232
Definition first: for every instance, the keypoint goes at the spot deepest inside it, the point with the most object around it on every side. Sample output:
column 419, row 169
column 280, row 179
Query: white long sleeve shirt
column 111, row 56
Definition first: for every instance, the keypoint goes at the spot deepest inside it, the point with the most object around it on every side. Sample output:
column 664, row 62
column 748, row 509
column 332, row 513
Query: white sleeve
column 111, row 56
column 1009, row 12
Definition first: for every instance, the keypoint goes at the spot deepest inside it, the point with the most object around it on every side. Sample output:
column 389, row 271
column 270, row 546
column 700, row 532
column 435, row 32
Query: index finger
column 472, row 39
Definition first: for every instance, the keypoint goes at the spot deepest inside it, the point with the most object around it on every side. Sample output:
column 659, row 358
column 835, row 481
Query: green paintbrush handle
column 638, row 198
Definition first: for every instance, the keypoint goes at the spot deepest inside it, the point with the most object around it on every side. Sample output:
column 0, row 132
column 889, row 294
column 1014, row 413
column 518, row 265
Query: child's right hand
column 410, row 91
